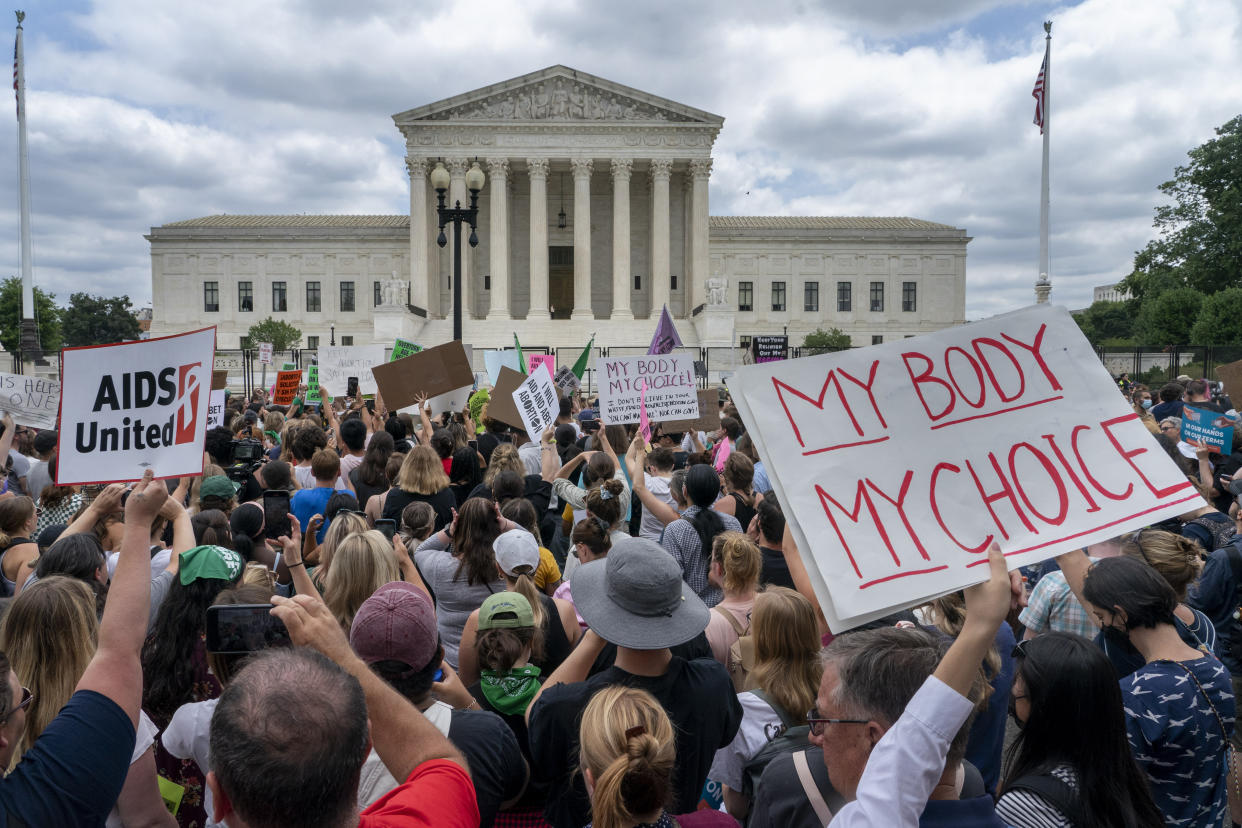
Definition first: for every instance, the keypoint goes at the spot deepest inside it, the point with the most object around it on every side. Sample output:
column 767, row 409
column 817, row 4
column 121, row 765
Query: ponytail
column 627, row 743
column 525, row 586
column 605, row 503
column 499, row 649
column 631, row 786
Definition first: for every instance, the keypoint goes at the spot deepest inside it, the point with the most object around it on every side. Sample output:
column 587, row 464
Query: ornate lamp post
column 457, row 214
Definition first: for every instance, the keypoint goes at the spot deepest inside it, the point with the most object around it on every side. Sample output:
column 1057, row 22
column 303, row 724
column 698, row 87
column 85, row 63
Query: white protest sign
column 495, row 360
column 537, row 402
column 671, row 391
column 215, row 409
column 899, row 464
column 32, row 401
column 135, row 406
column 337, row 363
column 265, row 353
column 567, row 380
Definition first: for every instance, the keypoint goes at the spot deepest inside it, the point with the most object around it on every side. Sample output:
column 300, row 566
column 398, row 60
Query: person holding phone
column 326, row 469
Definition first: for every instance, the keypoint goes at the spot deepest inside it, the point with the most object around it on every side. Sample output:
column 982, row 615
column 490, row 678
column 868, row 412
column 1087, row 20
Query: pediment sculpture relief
column 559, row 100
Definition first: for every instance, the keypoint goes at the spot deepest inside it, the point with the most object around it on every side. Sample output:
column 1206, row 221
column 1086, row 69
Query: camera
column 244, row 457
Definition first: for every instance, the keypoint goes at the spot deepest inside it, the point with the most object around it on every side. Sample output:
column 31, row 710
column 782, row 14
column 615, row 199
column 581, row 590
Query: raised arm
column 424, row 418
column 115, row 670
column 802, row 581
column 108, row 501
column 635, row 463
column 1074, row 566
column 568, row 468
column 6, row 440
column 291, row 558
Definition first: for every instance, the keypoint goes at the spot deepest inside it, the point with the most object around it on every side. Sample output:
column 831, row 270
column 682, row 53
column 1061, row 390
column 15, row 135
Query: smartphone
column 276, row 514
column 233, row 629
column 387, row 526
column 351, row 387
column 370, row 405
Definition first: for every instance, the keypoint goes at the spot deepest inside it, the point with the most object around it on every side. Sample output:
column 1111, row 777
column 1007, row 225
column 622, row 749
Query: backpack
column 786, row 738
column 741, row 652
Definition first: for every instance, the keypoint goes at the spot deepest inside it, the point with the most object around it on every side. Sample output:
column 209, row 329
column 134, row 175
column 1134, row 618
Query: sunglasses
column 817, row 722
column 27, row 698
column 1019, row 649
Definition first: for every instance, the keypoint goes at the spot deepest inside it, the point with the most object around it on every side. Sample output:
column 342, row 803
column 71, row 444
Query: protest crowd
column 356, row 616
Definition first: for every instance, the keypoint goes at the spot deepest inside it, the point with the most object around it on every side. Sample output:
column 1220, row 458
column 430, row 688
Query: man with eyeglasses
column 73, row 773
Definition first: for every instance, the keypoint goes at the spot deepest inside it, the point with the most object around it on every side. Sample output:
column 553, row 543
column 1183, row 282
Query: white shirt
column 908, row 761
column 306, row 478
column 532, row 457
column 651, row 526
column 188, row 736
column 375, row 780
column 730, row 761
column 144, row 738
column 159, row 562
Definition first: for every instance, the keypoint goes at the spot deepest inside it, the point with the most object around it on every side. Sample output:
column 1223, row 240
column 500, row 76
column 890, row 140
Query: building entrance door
column 561, row 281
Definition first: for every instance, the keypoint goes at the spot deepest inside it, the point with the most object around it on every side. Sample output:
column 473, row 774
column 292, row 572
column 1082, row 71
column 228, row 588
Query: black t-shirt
column 536, row 793
column 775, row 570
column 697, row 647
column 699, row 698
column 442, row 502
column 365, row 490
column 497, row 766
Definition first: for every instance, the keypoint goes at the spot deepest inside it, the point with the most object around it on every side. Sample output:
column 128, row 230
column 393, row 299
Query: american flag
column 1038, row 94
column 16, row 93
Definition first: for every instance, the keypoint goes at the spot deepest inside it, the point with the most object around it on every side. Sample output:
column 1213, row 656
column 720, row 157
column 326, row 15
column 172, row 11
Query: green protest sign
column 288, row 366
column 312, row 384
column 401, row 348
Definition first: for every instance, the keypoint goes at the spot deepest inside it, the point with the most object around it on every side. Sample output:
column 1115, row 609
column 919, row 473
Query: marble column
column 700, row 171
column 420, row 273
column 621, row 168
column 661, row 282
column 459, row 197
column 498, row 172
column 537, row 168
column 582, row 168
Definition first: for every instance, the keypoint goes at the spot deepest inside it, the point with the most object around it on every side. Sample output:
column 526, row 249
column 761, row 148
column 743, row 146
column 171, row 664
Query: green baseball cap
column 505, row 610
column 209, row 562
column 217, row 485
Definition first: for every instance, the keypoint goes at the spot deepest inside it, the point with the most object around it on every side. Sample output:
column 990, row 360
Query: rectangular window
column 810, row 296
column 245, row 296
column 279, row 302
column 347, row 340
column 745, row 296
column 378, row 298
column 244, row 343
column 638, row 282
column 211, row 297
column 877, row 297
column 744, row 343
column 778, row 296
column 672, row 281
column 312, row 342
column 845, row 297
column 347, row 297
column 312, row 297
column 487, row 282
column 909, row 296
column 877, row 339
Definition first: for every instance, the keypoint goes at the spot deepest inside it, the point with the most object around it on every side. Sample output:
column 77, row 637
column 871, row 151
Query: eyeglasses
column 817, row 722
column 27, row 698
column 1019, row 649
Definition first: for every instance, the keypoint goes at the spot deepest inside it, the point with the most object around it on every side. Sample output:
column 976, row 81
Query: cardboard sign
column 495, row 360
column 708, row 418
column 287, row 383
column 548, row 361
column 669, row 380
column 899, row 464
column 502, row 406
column 537, row 402
column 566, row 380
column 337, row 363
column 770, row 348
column 265, row 353
column 32, row 401
column 1231, row 376
column 219, row 379
column 134, row 406
column 1205, row 427
column 215, row 410
column 402, row 349
column 312, row 384
column 434, row 371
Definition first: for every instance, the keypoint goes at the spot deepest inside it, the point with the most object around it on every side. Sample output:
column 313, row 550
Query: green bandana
column 510, row 693
column 209, row 562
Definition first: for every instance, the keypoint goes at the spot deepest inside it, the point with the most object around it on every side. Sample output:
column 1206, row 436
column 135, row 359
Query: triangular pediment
column 558, row 93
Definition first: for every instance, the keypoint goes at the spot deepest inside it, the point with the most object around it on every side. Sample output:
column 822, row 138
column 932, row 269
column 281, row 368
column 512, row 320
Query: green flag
column 583, row 359
column 521, row 359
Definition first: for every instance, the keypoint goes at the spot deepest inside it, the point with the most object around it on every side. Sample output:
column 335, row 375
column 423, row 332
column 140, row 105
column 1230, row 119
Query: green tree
column 1220, row 319
column 46, row 313
column 98, row 320
column 820, row 341
column 1166, row 319
column 1107, row 322
column 282, row 335
column 1199, row 235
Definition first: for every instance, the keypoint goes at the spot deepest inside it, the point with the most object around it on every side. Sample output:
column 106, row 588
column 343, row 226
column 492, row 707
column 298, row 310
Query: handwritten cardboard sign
column 1231, row 376
column 312, row 384
column 669, row 380
column 32, row 401
column 548, row 361
column 265, row 353
column 401, row 349
column 1205, row 427
column 219, row 379
column 708, row 418
column 900, row 463
column 432, row 372
column 501, row 406
column 537, row 402
column 133, row 406
column 566, row 380
column 287, row 383
column 337, row 363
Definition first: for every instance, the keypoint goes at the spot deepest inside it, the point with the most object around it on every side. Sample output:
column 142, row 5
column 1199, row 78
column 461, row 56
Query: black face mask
column 1120, row 640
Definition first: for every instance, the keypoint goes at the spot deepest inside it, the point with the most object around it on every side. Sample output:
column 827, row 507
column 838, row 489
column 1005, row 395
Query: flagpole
column 1043, row 286
column 29, row 329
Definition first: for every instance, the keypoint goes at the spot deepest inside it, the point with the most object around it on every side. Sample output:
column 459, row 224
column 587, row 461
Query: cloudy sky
column 143, row 112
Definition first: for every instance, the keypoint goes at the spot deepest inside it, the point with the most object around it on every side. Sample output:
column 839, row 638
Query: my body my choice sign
column 899, row 464
column 133, row 406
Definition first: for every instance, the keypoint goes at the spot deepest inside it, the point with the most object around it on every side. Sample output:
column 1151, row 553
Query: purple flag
column 666, row 338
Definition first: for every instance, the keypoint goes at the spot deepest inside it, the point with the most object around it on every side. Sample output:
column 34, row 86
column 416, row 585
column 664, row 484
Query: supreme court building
column 593, row 216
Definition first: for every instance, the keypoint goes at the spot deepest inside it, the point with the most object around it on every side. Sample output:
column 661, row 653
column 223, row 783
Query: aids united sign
column 133, row 406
